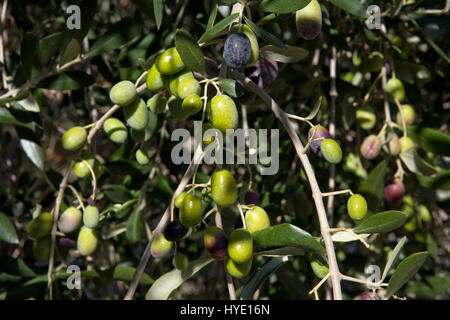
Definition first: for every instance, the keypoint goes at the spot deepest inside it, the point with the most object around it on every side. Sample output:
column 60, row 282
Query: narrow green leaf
column 439, row 181
column 27, row 104
column 381, row 222
column 372, row 188
column 49, row 47
column 69, row 80
column 7, row 117
column 284, row 251
column 393, row 257
column 286, row 234
column 283, row 6
column 7, row 231
column 28, row 53
column 189, row 51
column 158, row 10
column 405, row 271
column 431, row 140
column 354, row 7
column 270, row 38
column 34, row 152
column 344, row 236
column 212, row 17
column 315, row 110
column 260, row 276
column 416, row 164
column 214, row 31
column 164, row 184
column 133, row 232
column 164, row 285
column 231, row 87
column 289, row 55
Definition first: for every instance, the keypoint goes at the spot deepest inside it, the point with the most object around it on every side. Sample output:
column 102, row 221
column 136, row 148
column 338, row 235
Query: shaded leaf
column 393, row 257
column 7, row 117
column 354, row 7
column 289, row 55
column 212, row 17
column 29, row 51
column 49, row 47
column 343, row 236
column 270, row 38
column 415, row 164
column 283, row 6
column 7, row 231
column 158, row 11
column 431, row 140
column 439, row 181
column 372, row 188
column 34, row 152
column 315, row 110
column 164, row 184
column 216, row 29
column 284, row 251
column 381, row 222
column 189, row 51
column 69, row 80
column 231, row 87
column 133, row 232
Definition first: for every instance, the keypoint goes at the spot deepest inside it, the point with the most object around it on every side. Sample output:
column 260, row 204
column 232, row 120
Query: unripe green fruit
column 40, row 226
column 366, row 117
column 160, row 247
column 123, row 93
column 141, row 157
column 91, row 216
column 215, row 242
column 115, row 130
column 192, row 104
column 409, row 115
column 74, row 138
column 179, row 199
column 191, row 210
column 370, row 148
column 408, row 205
column 87, row 241
column 257, row 219
column 144, row 135
column 245, row 29
column 70, row 220
column 319, row 269
column 207, row 138
column 395, row 146
column 424, row 213
column 224, row 113
column 136, row 114
column 331, row 151
column 180, row 261
column 375, row 61
column 188, row 87
column 240, row 246
column 357, row 207
column 155, row 80
column 395, row 88
column 238, row 270
column 41, row 248
column 411, row 225
column 309, row 20
column 80, row 168
column 157, row 103
column 176, row 79
column 176, row 109
column 223, row 188
column 406, row 143
column 169, row 62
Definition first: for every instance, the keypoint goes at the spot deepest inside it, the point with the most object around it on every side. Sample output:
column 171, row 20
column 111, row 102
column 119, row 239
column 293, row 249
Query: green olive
column 223, row 188
column 40, row 226
column 179, row 199
column 395, row 88
column 357, row 207
column 87, row 241
column 176, row 108
column 207, row 137
column 180, row 261
column 411, row 224
column 70, row 220
column 366, row 118
column 157, row 103
column 395, row 146
column 141, row 157
column 191, row 211
column 375, row 61
column 136, row 114
column 240, row 246
column 169, row 62
column 424, row 213
column 406, row 144
column 80, row 168
column 74, row 138
column 238, row 270
column 160, row 247
column 91, row 217
column 116, row 130
column 41, row 248
column 155, row 80
column 257, row 219
column 188, row 87
column 144, row 135
column 224, row 114
column 177, row 78
column 409, row 115
column 192, row 104
column 319, row 269
column 331, row 151
column 123, row 93
column 309, row 20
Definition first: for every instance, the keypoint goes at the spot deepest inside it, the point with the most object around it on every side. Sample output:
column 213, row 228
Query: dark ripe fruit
column 67, row 242
column 394, row 192
column 215, row 242
column 70, row 220
column 180, row 261
column 40, row 226
column 317, row 132
column 41, row 248
column 74, row 138
column 357, row 207
column 395, row 146
column 370, row 148
column 366, row 118
column 253, row 41
column 257, row 219
column 176, row 108
column 368, row 295
column 395, row 89
column 424, row 213
column 87, row 241
column 319, row 269
column 224, row 114
column 141, row 157
column 91, row 216
column 238, row 50
column 169, row 62
column 409, row 115
column 240, row 246
column 188, row 87
column 136, row 114
column 80, row 168
column 191, row 210
column 406, row 143
column 223, row 188
column 251, row 197
column 160, row 247
column 175, row 231
column 309, row 20
column 331, row 151
column 123, row 93
column 116, row 130
column 239, row 270
column 179, row 199
column 212, row 69
column 192, row 104
column 264, row 72
column 157, row 103
column 155, row 80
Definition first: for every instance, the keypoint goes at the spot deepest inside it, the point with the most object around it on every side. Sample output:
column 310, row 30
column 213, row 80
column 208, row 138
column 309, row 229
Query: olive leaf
column 7, row 231
column 354, row 7
column 34, row 152
column 431, row 140
column 393, row 257
column 231, row 87
column 283, row 6
column 267, row 36
column 189, row 51
column 217, row 28
column 289, row 55
column 158, row 11
column 372, row 188
column 133, row 231
column 381, row 222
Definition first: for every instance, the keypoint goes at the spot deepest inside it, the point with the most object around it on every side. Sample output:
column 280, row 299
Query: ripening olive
column 141, row 157
column 70, row 220
column 224, row 113
column 367, row 295
column 169, row 62
column 80, row 168
column 319, row 269
column 157, row 103
column 239, row 270
column 394, row 145
column 331, row 151
column 395, row 88
column 177, row 78
column 144, row 135
column 237, row 51
column 370, row 148
column 215, row 242
column 357, row 207
column 192, row 104
column 116, row 130
column 394, row 192
column 188, row 87
column 257, row 219
column 424, row 213
column 309, row 20
column 317, row 132
column 240, row 245
column 180, row 261
column 251, row 197
column 40, row 226
column 366, row 117
column 160, row 247
column 408, row 115
column 375, row 61
column 179, row 199
column 175, row 231
column 176, row 109
column 87, row 241
column 136, row 114
column 245, row 29
column 123, row 93
column 406, row 143
column 191, row 210
column 223, row 188
column 41, row 248
column 74, row 138
column 155, row 80
column 91, row 216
